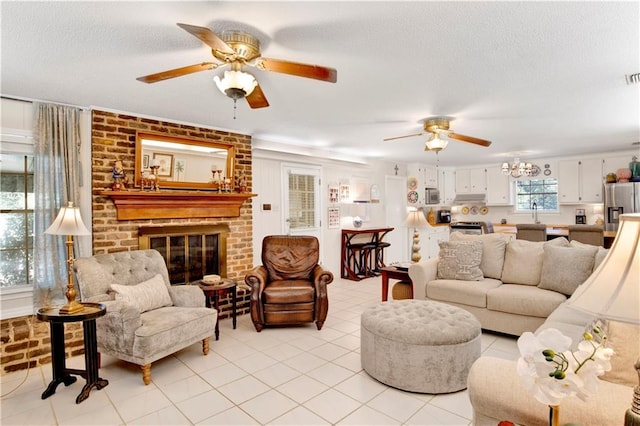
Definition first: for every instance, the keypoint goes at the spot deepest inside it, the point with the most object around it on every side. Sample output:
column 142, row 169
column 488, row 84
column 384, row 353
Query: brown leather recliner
column 289, row 287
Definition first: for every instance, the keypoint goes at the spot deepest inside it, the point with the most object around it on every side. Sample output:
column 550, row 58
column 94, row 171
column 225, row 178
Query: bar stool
column 379, row 255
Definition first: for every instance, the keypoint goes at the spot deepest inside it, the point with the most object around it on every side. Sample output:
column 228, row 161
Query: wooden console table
column 377, row 234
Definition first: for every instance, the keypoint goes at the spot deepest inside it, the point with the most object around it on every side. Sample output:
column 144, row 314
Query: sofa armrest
column 187, row 296
column 421, row 273
column 497, row 392
column 116, row 329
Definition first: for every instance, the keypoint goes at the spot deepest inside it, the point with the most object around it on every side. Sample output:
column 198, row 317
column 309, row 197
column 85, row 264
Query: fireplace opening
column 190, row 251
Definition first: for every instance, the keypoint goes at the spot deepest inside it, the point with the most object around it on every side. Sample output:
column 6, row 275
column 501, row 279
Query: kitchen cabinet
column 447, row 185
column 471, row 181
column 430, row 177
column 499, row 191
column 580, row 181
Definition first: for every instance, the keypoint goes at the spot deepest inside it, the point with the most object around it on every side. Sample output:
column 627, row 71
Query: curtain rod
column 31, row 100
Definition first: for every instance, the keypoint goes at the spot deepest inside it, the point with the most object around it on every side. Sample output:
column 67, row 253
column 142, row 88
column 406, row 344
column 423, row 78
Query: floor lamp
column 613, row 290
column 416, row 220
column 69, row 223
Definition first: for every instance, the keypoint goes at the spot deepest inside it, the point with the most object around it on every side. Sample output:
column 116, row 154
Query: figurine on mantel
column 240, row 182
column 120, row 179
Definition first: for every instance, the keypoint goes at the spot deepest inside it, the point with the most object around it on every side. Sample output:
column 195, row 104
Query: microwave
column 432, row 196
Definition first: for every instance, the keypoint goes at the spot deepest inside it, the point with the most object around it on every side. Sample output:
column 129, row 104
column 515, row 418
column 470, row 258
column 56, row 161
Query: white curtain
column 56, row 181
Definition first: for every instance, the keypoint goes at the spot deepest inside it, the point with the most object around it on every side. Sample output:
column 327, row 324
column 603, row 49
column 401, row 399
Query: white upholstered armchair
column 147, row 318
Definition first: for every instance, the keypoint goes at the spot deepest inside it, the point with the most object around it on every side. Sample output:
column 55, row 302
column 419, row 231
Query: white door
column 395, row 193
column 301, row 200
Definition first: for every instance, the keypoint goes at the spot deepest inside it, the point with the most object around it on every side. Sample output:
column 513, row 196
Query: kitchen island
column 553, row 231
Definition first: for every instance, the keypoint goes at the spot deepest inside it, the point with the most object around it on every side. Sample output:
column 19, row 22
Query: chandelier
column 517, row 168
column 434, row 143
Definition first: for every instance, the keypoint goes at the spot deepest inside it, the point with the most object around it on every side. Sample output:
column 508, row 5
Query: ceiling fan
column 439, row 126
column 238, row 49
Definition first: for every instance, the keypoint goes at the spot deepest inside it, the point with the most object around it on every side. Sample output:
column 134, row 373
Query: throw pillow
column 523, row 260
column 493, row 247
column 460, row 260
column 600, row 254
column 146, row 296
column 565, row 268
column 623, row 338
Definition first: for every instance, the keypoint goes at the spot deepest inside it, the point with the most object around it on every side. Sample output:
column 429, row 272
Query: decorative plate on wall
column 412, row 183
column 484, row 210
column 465, row 210
column 474, row 210
column 412, row 197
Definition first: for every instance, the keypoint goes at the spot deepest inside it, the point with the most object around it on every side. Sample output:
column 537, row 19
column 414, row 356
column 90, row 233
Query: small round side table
column 62, row 374
column 213, row 294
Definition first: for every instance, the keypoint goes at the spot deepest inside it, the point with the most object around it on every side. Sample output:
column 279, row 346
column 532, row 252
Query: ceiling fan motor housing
column 436, row 123
column 246, row 46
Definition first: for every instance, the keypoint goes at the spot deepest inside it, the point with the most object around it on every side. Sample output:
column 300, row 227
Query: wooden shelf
column 133, row 205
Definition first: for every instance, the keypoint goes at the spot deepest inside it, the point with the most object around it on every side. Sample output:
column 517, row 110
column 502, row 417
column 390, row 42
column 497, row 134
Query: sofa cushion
column 460, row 260
column 146, row 296
column 565, row 268
column 493, row 247
column 523, row 300
column 523, row 260
column 601, row 253
column 472, row 293
column 624, row 339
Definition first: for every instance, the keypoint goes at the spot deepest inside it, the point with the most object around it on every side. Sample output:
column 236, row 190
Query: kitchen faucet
column 534, row 214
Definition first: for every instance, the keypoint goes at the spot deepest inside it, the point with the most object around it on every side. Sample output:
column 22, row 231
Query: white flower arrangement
column 552, row 371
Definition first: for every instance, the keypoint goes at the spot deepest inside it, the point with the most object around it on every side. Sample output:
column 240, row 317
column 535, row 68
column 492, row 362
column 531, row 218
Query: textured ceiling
column 537, row 78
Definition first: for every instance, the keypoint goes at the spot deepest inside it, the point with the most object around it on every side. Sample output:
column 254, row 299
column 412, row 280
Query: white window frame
column 530, row 209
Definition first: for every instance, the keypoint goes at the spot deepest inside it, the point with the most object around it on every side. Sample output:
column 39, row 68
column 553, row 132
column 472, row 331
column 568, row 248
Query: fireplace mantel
column 133, row 205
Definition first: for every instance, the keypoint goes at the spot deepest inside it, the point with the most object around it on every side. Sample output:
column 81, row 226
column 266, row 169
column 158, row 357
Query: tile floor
column 283, row 376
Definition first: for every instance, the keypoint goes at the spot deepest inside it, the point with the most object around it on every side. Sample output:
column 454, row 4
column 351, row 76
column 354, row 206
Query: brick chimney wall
column 25, row 340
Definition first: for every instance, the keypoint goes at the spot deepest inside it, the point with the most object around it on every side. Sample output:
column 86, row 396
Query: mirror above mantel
column 183, row 163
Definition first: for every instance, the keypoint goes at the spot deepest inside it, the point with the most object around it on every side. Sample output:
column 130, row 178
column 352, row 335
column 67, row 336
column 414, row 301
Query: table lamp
column 613, row 290
column 416, row 220
column 69, row 223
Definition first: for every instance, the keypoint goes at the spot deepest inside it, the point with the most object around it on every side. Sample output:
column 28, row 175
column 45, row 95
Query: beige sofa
column 507, row 297
column 510, row 285
column 497, row 392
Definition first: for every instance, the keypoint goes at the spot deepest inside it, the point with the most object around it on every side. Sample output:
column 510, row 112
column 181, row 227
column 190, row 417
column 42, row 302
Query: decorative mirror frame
column 231, row 157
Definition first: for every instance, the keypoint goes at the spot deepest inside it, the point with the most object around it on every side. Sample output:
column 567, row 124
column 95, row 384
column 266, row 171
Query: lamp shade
column 434, row 143
column 236, row 84
column 68, row 222
column 416, row 219
column 613, row 290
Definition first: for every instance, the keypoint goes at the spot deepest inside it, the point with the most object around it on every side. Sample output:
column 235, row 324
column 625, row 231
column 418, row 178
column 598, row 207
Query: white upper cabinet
column 447, row 186
column 498, row 188
column 471, row 181
column 430, row 177
column 580, row 181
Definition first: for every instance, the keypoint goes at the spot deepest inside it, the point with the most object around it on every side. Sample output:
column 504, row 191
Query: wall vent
column 633, row 78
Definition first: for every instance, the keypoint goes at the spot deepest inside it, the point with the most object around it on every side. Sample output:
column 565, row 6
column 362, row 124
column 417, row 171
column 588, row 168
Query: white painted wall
column 267, row 184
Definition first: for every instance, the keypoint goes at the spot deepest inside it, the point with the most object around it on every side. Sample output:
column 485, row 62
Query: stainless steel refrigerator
column 620, row 198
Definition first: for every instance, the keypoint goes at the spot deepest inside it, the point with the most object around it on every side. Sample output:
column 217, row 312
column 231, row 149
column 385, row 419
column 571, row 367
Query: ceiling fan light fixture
column 434, row 143
column 236, row 84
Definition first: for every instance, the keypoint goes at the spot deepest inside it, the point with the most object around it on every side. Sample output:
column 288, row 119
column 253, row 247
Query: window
column 302, row 201
column 543, row 192
column 16, row 220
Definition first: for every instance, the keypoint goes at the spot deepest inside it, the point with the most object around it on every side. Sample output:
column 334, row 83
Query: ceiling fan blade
column 257, row 99
column 208, row 37
column 469, row 139
column 402, row 137
column 177, row 72
column 301, row 70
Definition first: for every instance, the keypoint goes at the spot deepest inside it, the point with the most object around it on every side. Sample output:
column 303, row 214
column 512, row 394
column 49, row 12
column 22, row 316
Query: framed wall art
column 333, row 194
column 334, row 217
column 165, row 161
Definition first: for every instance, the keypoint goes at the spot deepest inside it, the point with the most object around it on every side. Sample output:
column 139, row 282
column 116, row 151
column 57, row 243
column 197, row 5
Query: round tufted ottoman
column 419, row 345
